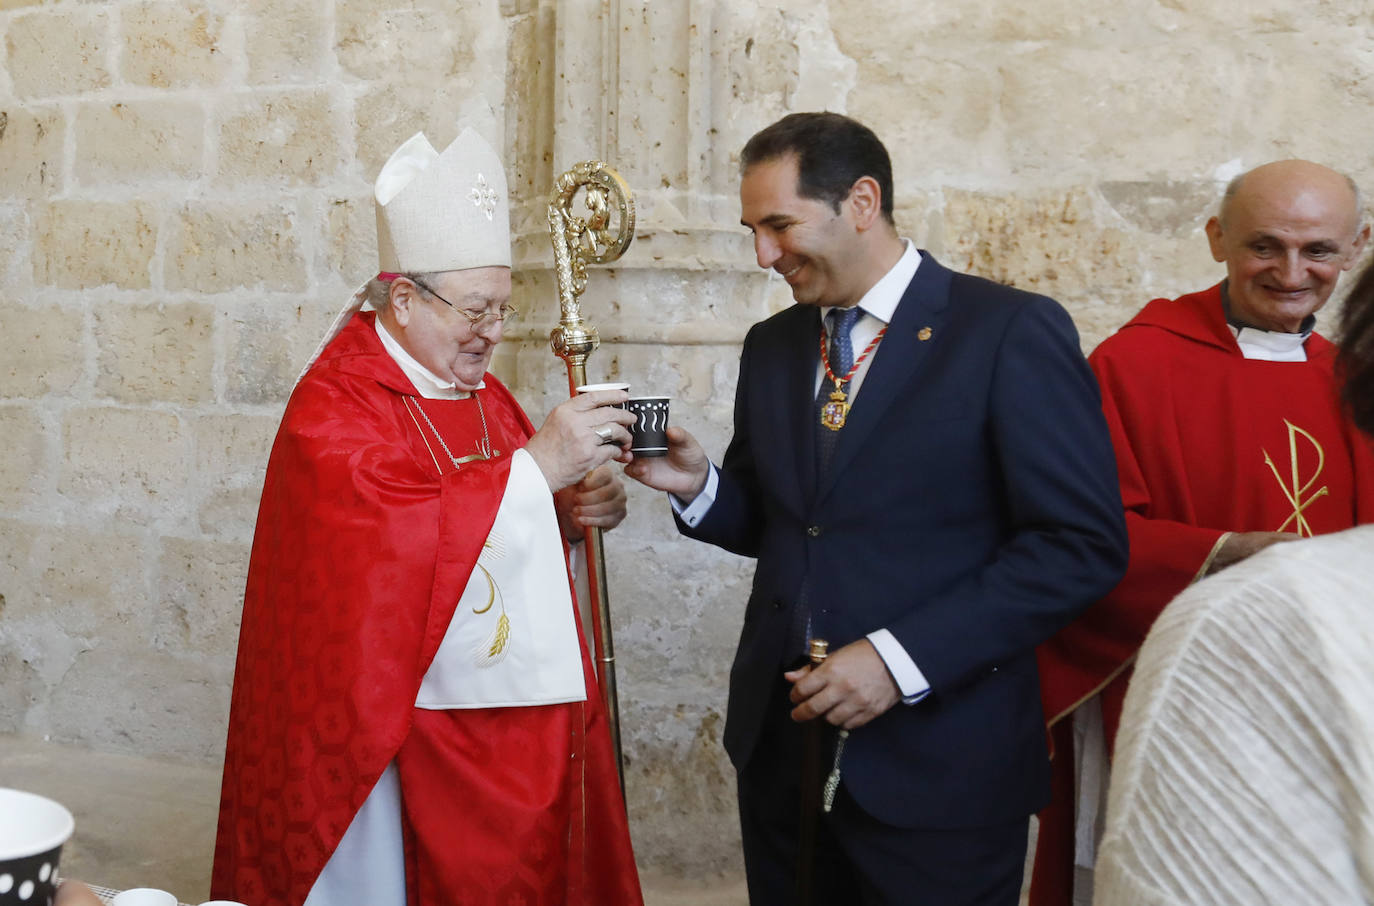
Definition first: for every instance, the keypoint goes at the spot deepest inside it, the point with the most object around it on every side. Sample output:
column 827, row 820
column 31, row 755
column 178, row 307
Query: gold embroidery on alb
column 493, row 651
column 1298, row 489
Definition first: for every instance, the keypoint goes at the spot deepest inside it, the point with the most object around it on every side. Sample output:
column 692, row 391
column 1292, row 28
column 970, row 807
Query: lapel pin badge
column 924, row 334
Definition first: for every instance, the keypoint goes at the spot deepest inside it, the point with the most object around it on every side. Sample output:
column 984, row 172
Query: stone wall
column 184, row 203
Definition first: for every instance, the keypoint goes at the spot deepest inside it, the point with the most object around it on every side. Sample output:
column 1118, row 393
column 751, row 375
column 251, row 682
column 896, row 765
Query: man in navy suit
column 921, row 467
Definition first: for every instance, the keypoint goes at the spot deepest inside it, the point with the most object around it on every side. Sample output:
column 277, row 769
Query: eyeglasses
column 480, row 322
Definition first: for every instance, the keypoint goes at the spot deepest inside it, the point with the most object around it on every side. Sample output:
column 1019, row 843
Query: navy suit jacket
column 971, row 509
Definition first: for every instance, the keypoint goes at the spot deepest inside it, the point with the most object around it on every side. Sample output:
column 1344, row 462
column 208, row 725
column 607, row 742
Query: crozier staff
column 414, row 717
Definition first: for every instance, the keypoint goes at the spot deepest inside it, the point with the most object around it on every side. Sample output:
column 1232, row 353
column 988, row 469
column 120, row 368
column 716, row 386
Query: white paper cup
column 144, row 896
column 32, row 831
column 591, row 388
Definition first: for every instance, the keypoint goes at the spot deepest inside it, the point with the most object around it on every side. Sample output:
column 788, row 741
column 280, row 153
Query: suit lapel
column 898, row 357
column 782, row 381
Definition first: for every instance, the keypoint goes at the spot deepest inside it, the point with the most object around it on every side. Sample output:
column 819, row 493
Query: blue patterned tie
column 842, row 321
column 841, row 356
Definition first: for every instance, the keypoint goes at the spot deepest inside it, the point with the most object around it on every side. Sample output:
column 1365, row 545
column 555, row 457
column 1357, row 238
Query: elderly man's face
column 1289, row 232
column 442, row 339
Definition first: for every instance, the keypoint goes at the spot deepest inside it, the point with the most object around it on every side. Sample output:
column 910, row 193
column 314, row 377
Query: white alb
column 1244, row 769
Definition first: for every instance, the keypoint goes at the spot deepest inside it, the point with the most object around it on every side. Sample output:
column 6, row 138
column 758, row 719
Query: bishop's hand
column 580, row 434
column 597, row 501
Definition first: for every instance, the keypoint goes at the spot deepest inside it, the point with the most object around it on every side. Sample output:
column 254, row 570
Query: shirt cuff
column 910, row 680
column 693, row 511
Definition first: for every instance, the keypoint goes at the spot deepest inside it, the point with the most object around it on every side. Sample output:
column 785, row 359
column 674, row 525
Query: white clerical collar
column 1270, row 345
column 426, row 383
column 881, row 299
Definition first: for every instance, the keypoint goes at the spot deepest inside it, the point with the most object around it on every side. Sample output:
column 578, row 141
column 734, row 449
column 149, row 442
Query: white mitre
column 436, row 211
column 442, row 212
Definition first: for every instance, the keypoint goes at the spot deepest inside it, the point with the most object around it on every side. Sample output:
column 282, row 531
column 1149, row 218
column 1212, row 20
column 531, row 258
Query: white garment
column 368, row 866
column 442, row 210
column 519, row 588
column 1244, row 768
column 1271, row 345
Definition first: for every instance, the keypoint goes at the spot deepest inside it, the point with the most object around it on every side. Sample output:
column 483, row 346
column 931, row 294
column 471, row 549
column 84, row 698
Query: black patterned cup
column 649, row 433
column 32, row 831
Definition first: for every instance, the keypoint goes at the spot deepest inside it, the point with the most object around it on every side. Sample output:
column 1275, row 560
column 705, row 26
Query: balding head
column 1286, row 230
column 1282, row 173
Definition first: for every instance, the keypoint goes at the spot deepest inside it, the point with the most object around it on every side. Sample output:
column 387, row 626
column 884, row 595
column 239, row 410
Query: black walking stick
column 812, row 783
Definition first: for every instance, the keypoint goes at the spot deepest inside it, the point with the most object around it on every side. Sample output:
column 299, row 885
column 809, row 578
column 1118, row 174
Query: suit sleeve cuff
column 693, row 511
column 910, row 680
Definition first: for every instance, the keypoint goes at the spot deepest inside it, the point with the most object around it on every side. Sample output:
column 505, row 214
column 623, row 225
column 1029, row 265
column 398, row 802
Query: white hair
column 378, row 291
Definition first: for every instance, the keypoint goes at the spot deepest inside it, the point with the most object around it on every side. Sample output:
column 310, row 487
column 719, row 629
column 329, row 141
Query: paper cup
column 649, row 433
column 32, row 831
column 144, row 896
column 590, row 388
column 222, row 903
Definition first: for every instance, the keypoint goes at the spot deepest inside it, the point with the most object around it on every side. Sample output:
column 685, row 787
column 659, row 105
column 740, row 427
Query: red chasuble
column 365, row 540
column 1206, row 442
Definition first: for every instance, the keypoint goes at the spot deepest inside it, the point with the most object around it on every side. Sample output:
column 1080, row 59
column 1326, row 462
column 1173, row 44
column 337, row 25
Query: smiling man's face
column 805, row 240
column 1286, row 235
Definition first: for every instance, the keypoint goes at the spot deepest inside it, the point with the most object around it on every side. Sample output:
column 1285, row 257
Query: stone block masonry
column 185, row 201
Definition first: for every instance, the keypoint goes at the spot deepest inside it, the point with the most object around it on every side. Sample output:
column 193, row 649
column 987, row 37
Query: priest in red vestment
column 1229, row 436
column 414, row 718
